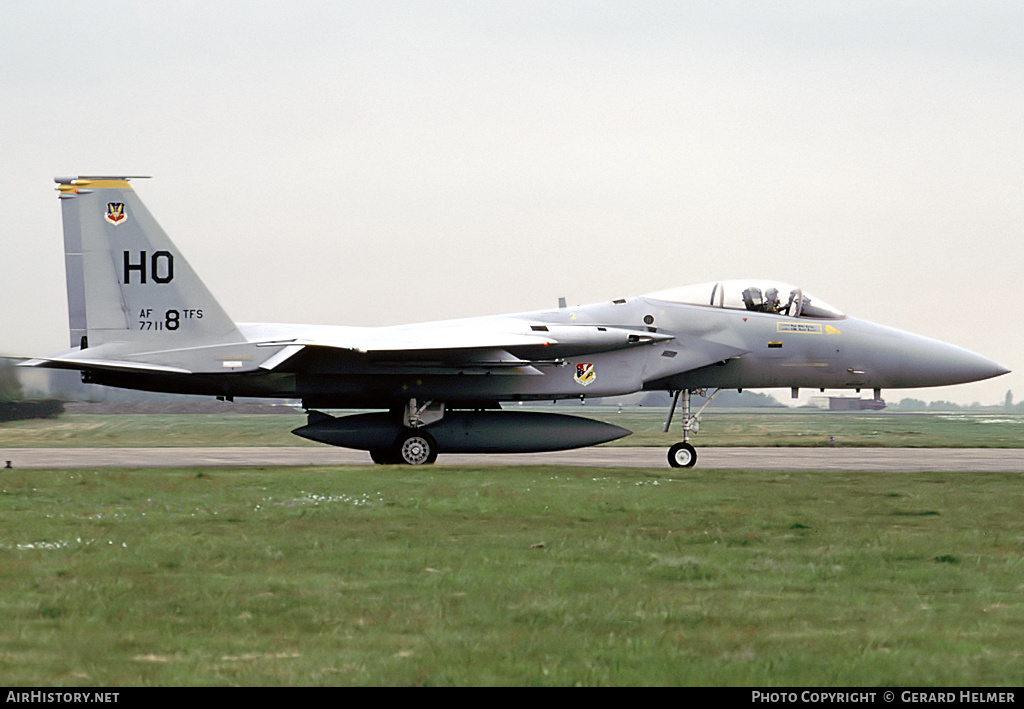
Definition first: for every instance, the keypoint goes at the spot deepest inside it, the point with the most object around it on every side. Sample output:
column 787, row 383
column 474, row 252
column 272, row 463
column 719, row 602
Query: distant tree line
column 13, row 406
column 725, row 398
column 21, row 410
column 919, row 405
column 10, row 386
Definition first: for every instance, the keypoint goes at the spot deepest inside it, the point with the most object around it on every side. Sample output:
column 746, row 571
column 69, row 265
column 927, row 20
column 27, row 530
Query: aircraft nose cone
column 968, row 366
column 927, row 362
column 934, row 363
column 901, row 359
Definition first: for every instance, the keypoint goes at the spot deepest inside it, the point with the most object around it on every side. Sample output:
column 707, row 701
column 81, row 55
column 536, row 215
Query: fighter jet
column 140, row 318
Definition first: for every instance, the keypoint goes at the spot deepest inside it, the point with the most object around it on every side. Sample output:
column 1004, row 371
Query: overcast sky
column 376, row 162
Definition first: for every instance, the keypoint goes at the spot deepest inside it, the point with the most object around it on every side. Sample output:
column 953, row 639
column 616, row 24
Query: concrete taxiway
column 868, row 459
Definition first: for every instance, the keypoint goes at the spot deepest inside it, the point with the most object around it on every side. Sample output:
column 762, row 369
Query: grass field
column 512, row 576
column 768, row 428
column 509, row 576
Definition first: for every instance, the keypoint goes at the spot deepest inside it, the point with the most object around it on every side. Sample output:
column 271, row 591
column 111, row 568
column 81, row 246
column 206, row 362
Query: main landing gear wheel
column 383, row 457
column 416, row 448
column 682, row 455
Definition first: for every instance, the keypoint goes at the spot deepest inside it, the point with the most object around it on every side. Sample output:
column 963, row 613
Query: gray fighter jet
column 141, row 318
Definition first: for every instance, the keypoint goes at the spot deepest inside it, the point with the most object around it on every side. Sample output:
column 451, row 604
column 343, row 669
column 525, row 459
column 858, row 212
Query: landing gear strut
column 682, row 454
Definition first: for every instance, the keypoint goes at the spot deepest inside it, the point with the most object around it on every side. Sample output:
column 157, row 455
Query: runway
column 825, row 459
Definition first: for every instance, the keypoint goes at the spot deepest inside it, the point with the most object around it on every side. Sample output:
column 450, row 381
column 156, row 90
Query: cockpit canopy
column 753, row 295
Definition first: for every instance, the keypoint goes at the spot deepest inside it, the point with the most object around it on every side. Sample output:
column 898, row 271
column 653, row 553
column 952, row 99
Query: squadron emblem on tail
column 115, row 213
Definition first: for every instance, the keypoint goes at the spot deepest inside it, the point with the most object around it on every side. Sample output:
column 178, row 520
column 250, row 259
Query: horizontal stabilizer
column 85, row 363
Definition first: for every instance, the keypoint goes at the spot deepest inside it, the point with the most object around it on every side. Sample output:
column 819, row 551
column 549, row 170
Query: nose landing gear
column 682, row 454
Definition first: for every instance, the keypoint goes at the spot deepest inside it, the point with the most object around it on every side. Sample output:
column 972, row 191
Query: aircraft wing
column 459, row 346
column 482, row 346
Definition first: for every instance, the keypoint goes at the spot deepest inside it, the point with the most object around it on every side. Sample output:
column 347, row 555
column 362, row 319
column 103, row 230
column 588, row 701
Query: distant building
column 845, row 403
column 854, row 403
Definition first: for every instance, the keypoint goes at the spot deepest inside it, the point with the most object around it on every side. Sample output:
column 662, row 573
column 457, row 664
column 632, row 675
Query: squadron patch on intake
column 585, row 373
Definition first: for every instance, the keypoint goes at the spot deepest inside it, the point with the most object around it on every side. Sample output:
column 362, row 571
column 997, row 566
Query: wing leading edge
column 444, row 346
column 481, row 345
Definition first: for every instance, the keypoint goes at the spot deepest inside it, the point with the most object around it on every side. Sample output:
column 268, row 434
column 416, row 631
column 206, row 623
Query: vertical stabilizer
column 126, row 281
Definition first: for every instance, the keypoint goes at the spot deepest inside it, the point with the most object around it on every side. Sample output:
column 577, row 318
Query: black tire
column 383, row 457
column 415, row 448
column 682, row 455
